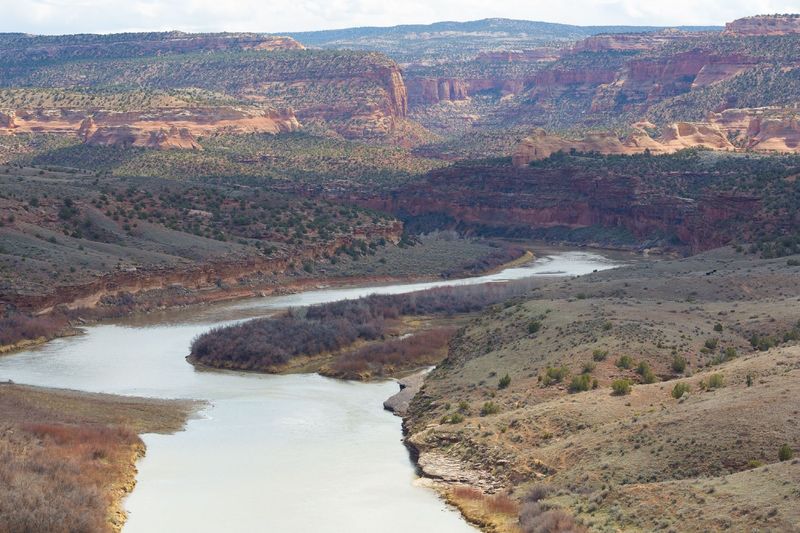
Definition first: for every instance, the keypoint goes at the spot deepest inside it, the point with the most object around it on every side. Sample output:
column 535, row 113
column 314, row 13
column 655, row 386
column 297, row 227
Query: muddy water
column 298, row 453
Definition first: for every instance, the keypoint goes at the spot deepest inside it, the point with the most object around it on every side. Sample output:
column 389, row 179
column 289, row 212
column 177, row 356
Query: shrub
column 581, row 383
column 644, row 370
column 18, row 327
column 465, row 492
column 678, row 364
column 387, row 357
column 455, row 418
column 718, row 327
column 625, row 362
column 501, row 504
column 534, row 326
column 762, row 343
column 536, row 518
column 785, row 452
column 621, row 387
column 649, row 376
column 680, row 389
column 554, row 375
column 711, row 344
column 490, row 408
column 716, row 381
column 588, row 367
column 264, row 343
column 505, row 381
column 599, row 355
column 538, row 492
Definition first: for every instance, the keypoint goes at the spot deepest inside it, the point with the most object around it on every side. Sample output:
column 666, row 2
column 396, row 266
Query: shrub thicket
column 621, row 387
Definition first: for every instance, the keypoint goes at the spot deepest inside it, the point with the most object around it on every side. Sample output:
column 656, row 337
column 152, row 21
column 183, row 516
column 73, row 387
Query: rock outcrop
column 767, row 129
column 628, row 41
column 693, row 135
column 8, row 120
column 534, row 55
column 154, row 128
column 674, row 137
column 764, row 25
column 761, row 129
column 541, row 145
column 426, row 91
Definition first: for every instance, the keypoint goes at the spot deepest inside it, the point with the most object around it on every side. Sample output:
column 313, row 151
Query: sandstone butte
column 764, row 25
column 160, row 128
column 756, row 129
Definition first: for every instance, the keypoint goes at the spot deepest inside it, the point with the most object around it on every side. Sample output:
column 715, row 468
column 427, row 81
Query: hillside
column 720, row 324
column 453, row 41
column 89, row 240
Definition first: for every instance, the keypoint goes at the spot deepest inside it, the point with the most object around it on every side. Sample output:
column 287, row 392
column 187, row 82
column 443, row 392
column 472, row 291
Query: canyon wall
column 532, row 202
column 155, row 128
column 353, row 94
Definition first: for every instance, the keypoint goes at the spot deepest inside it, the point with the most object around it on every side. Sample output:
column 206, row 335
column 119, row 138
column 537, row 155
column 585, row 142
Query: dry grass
column 67, row 459
column 496, row 513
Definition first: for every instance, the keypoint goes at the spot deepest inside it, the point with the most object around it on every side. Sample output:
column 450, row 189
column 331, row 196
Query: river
column 295, row 453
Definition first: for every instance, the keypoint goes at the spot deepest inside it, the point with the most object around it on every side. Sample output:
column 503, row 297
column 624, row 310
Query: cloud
column 76, row 16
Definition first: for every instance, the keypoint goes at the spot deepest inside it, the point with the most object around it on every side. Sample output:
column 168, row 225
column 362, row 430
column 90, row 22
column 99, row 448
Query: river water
column 296, row 453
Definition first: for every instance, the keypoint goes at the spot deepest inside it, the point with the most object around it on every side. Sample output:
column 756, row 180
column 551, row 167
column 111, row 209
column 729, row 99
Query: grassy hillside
column 526, row 400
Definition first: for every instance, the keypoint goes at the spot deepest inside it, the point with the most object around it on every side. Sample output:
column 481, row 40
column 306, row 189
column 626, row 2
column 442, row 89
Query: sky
column 275, row 16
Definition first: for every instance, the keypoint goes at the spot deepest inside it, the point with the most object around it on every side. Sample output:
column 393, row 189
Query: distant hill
column 458, row 40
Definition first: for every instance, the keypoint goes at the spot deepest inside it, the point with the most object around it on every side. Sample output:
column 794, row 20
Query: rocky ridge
column 760, row 130
column 160, row 128
column 764, row 25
